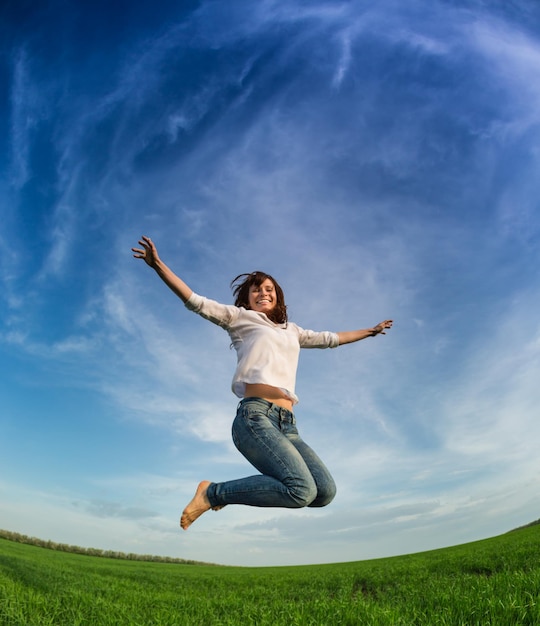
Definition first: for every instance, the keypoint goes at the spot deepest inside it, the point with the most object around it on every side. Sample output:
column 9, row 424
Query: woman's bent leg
column 285, row 479
column 326, row 487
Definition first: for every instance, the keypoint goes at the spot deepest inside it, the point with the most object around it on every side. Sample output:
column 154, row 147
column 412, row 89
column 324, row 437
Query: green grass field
column 495, row 581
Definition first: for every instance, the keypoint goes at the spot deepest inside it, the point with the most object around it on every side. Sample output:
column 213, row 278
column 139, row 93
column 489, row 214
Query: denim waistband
column 282, row 411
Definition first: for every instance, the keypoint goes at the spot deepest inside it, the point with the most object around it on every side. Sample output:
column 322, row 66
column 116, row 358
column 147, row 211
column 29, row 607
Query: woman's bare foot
column 198, row 505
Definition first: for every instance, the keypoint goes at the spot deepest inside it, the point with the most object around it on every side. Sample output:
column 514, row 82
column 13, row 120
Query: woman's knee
column 303, row 493
column 307, row 492
column 324, row 496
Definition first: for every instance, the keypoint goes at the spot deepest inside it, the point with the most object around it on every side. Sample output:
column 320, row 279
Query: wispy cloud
column 513, row 63
column 23, row 118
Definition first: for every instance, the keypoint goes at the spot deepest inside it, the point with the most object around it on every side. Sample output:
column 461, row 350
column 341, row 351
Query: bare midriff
column 269, row 393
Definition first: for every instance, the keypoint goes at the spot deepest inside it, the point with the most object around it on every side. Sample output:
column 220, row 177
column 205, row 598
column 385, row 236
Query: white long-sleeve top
column 267, row 353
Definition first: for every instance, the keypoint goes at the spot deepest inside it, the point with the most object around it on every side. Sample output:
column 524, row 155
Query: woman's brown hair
column 241, row 286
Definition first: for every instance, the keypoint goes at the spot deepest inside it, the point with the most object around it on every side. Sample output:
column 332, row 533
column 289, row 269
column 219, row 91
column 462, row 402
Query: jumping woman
column 264, row 429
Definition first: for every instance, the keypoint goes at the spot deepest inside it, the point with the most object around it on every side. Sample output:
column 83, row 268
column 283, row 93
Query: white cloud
column 23, row 118
column 344, row 61
column 513, row 63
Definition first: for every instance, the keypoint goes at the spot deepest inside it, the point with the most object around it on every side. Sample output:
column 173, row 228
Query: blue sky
column 379, row 159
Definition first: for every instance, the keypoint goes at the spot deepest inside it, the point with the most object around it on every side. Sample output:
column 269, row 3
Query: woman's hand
column 380, row 328
column 148, row 252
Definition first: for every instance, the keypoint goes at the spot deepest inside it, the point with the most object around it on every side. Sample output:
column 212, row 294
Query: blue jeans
column 292, row 475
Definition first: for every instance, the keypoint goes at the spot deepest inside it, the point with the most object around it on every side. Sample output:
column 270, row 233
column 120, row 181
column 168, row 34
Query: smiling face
column 262, row 298
column 258, row 291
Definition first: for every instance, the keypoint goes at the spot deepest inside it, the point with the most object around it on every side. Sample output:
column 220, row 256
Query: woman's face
column 262, row 298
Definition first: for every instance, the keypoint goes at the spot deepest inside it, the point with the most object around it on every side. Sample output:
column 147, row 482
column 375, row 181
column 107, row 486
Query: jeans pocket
column 288, row 428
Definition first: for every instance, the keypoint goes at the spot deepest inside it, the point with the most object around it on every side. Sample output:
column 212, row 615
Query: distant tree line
column 109, row 554
column 526, row 525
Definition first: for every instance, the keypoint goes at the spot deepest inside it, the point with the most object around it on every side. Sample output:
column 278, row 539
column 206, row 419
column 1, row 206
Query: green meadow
column 494, row 581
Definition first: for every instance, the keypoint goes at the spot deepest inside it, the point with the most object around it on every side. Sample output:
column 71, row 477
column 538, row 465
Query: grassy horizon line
column 133, row 556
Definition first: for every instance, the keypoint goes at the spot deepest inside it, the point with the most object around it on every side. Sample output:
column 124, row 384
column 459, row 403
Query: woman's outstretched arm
column 148, row 252
column 350, row 336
